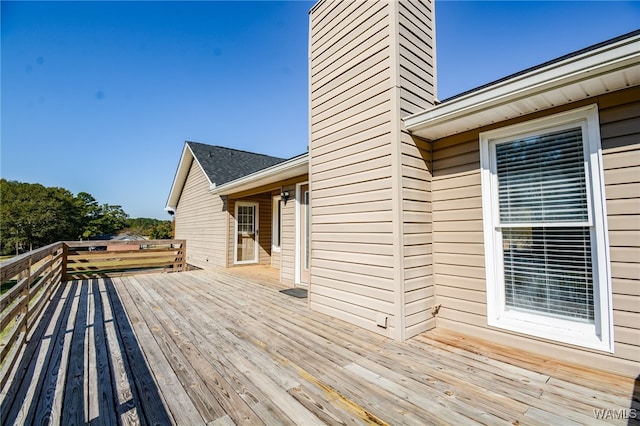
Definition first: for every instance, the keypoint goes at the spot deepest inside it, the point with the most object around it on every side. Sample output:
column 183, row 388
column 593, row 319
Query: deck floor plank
column 162, row 396
column 225, row 348
column 184, row 358
column 267, row 336
column 307, row 343
column 102, row 404
column 311, row 344
column 74, row 402
column 52, row 396
column 215, row 328
column 44, row 377
column 126, row 403
column 264, row 374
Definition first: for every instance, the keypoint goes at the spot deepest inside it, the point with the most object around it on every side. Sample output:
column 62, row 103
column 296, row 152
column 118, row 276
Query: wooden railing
column 88, row 259
column 32, row 278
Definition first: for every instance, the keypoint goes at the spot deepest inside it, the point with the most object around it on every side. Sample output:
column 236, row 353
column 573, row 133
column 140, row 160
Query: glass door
column 246, row 241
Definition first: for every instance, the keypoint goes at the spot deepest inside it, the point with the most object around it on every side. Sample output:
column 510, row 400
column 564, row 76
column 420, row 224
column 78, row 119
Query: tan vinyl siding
column 459, row 273
column 416, row 81
column 350, row 173
column 457, row 230
column 417, row 235
column 416, row 56
column 201, row 220
column 367, row 58
column 620, row 132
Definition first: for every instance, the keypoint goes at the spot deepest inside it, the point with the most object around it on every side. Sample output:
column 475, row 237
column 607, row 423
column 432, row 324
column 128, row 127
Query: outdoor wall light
column 284, row 196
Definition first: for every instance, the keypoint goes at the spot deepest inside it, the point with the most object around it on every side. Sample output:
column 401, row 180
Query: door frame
column 298, row 248
column 256, row 218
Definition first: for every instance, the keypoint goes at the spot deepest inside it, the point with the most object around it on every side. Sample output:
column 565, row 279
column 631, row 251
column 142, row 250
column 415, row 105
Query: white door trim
column 297, row 250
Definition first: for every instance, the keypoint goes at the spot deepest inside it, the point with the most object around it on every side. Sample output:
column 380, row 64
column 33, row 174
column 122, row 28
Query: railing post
column 26, row 293
column 65, row 253
column 184, row 255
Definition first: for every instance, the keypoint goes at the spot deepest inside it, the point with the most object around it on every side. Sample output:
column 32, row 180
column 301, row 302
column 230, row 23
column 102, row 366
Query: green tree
column 112, row 219
column 162, row 230
column 148, row 227
column 32, row 215
column 90, row 213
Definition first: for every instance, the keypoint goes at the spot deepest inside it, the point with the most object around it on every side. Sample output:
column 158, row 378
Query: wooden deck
column 217, row 348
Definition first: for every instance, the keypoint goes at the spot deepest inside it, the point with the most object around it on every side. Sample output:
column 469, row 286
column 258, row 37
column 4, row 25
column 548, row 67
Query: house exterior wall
column 201, row 219
column 367, row 70
column 417, row 237
column 459, row 271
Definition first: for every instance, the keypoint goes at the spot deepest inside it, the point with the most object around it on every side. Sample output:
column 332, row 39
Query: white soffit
column 602, row 70
column 286, row 170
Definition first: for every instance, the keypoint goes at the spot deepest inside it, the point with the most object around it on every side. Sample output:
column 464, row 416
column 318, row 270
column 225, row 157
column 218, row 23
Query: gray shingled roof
column 224, row 165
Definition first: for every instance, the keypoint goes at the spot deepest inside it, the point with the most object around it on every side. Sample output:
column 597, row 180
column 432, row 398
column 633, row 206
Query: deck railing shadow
column 144, row 394
column 26, row 380
column 67, row 345
column 71, row 366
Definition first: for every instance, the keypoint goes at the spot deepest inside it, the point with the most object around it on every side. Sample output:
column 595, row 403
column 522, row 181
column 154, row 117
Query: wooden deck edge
column 569, row 372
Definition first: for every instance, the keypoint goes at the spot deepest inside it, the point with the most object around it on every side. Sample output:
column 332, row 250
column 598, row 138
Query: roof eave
column 181, row 177
column 288, row 169
column 530, row 92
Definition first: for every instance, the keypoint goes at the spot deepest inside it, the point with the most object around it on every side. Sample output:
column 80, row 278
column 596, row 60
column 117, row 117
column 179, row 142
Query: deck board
column 220, row 348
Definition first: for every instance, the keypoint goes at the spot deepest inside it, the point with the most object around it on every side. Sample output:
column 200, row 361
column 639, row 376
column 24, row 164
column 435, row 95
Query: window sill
column 558, row 330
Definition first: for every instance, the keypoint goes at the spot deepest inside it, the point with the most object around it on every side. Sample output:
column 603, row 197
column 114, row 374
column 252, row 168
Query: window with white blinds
column 548, row 271
column 541, row 181
column 542, row 178
column 545, row 251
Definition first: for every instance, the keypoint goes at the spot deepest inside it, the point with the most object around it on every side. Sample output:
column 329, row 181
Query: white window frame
column 598, row 335
column 276, row 222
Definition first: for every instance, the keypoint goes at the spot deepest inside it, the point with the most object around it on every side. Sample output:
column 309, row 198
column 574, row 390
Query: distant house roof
column 223, row 165
column 220, row 165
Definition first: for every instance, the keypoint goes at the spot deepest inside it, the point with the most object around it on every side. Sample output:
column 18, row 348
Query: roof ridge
column 233, row 149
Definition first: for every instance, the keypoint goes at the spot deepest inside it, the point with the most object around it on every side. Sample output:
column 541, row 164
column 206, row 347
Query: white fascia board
column 288, row 169
column 574, row 70
column 181, row 177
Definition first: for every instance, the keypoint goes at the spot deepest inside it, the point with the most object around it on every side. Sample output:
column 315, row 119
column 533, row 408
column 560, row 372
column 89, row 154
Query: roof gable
column 219, row 164
column 222, row 165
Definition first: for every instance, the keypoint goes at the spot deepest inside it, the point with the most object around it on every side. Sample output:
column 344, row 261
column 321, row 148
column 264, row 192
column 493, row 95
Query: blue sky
column 100, row 96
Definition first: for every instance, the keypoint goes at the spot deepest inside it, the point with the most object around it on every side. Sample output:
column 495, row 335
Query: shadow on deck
column 208, row 347
column 83, row 364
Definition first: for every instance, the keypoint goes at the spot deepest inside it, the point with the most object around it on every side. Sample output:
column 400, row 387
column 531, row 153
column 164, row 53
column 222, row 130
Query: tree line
column 32, row 216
